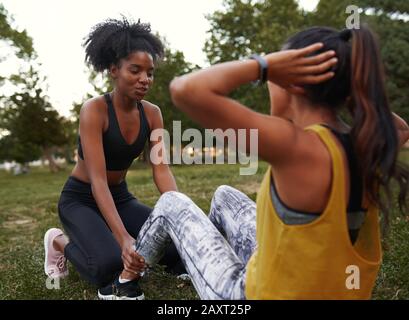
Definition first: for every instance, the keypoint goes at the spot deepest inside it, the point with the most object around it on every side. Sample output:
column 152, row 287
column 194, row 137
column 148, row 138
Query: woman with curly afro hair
column 100, row 216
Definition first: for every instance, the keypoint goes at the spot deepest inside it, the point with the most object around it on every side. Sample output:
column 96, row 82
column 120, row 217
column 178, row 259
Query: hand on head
column 292, row 68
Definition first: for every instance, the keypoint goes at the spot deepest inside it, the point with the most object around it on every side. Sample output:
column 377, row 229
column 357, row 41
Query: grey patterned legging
column 216, row 264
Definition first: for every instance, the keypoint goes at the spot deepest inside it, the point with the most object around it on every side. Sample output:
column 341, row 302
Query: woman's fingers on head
column 310, row 49
column 319, row 68
column 315, row 79
column 320, row 58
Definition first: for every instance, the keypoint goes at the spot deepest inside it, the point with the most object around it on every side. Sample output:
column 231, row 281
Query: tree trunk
column 68, row 155
column 51, row 162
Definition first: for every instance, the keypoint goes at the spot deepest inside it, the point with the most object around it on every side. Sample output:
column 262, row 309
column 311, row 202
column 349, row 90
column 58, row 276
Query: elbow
column 403, row 138
column 179, row 91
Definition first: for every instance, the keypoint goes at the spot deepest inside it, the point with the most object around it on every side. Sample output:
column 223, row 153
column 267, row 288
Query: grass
column 28, row 207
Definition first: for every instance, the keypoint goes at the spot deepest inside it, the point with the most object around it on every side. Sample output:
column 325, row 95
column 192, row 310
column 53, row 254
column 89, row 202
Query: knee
column 174, row 196
column 221, row 194
column 172, row 202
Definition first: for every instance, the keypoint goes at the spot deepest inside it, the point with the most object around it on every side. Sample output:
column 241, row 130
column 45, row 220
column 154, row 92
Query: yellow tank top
column 315, row 260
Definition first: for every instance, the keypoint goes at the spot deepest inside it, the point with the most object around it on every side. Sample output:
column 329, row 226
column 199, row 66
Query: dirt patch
column 19, row 222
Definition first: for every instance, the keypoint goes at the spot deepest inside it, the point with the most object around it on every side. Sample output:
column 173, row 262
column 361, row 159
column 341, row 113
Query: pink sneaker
column 55, row 264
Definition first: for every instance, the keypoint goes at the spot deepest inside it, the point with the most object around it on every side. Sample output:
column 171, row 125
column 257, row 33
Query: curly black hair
column 112, row 40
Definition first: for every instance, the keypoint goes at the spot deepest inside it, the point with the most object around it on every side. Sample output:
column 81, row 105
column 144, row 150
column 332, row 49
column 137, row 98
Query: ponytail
column 359, row 83
column 373, row 130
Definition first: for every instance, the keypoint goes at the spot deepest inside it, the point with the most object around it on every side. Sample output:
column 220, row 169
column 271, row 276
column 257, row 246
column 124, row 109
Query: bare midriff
column 113, row 177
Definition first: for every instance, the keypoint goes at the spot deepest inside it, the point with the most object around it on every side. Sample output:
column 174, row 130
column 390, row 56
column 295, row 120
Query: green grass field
column 28, row 207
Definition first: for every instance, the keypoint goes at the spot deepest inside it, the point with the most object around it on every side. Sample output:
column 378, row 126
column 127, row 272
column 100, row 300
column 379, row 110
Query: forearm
column 164, row 180
column 106, row 205
column 220, row 79
column 286, row 68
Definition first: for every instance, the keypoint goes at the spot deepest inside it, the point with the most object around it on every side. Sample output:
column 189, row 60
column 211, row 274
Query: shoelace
column 60, row 263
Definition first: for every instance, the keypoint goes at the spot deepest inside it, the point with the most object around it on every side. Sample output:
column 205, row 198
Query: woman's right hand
column 133, row 262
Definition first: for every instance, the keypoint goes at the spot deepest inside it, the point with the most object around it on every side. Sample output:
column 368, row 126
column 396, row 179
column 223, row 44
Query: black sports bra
column 119, row 155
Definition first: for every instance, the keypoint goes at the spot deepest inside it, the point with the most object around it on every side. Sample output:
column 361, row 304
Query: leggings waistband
column 83, row 189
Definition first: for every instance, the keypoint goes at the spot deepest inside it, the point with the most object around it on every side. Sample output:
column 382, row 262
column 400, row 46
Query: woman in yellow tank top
column 310, row 172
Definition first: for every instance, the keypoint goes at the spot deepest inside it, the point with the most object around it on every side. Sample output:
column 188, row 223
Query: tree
column 31, row 122
column 174, row 64
column 250, row 26
column 22, row 44
column 29, row 125
column 20, row 40
column 13, row 150
column 386, row 18
column 69, row 127
column 389, row 7
column 246, row 27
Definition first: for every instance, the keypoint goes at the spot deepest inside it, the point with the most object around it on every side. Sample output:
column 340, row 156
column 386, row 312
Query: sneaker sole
column 114, row 297
column 184, row 277
column 47, row 234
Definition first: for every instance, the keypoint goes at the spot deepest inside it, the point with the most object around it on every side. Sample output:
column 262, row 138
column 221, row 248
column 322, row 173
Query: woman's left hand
column 291, row 68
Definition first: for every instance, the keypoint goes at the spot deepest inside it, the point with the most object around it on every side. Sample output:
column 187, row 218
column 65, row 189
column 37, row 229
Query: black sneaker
column 121, row 291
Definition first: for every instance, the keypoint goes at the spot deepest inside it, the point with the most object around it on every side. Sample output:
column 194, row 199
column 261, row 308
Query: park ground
column 28, row 207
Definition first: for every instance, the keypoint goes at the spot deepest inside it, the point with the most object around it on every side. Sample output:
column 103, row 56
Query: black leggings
column 92, row 248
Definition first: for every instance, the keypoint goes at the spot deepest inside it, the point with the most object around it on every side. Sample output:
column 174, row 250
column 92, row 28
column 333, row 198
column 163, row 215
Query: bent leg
column 92, row 249
column 133, row 215
column 234, row 214
column 215, row 269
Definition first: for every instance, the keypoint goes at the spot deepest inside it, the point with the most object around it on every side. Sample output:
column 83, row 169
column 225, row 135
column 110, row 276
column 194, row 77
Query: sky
column 58, row 28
